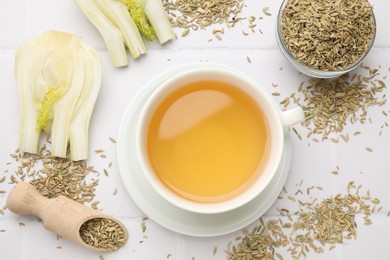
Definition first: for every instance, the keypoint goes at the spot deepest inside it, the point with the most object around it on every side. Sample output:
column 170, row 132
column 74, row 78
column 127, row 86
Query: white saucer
column 167, row 214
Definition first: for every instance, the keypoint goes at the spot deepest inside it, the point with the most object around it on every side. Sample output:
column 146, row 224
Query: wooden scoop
column 60, row 215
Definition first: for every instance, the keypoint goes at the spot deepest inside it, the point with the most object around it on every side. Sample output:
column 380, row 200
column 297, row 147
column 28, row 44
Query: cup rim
column 312, row 71
column 255, row 188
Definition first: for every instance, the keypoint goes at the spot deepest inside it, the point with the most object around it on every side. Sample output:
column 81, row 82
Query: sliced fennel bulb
column 121, row 22
column 151, row 18
column 59, row 78
column 137, row 12
column 155, row 12
column 79, row 127
column 112, row 36
column 119, row 15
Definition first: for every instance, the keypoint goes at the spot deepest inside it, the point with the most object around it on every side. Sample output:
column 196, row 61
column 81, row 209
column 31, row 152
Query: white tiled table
column 22, row 18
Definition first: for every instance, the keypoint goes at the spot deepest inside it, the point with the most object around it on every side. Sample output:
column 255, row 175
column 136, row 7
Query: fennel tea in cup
column 210, row 139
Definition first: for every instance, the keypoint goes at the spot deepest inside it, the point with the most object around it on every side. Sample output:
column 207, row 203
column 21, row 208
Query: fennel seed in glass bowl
column 325, row 38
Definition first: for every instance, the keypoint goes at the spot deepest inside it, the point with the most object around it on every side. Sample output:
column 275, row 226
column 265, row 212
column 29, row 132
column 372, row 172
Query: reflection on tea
column 206, row 141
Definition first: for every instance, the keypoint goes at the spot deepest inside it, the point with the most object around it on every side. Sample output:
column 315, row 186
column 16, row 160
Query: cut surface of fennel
column 59, row 78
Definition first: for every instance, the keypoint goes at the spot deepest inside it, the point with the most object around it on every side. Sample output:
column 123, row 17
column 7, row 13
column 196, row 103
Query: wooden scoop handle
column 24, row 199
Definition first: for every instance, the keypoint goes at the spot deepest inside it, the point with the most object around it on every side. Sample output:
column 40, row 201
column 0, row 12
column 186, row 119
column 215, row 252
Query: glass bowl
column 312, row 71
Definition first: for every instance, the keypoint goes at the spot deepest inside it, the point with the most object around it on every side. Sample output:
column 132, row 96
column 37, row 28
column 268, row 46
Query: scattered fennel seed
column 266, row 11
column 316, row 225
column 215, row 250
column 332, row 104
column 291, row 198
column 53, row 176
column 218, row 36
column 185, row 32
column 345, row 138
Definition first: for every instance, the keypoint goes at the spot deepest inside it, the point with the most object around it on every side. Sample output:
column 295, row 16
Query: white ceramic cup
column 275, row 120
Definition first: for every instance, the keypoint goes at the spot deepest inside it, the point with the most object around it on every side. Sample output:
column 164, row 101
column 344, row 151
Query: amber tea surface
column 207, row 140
